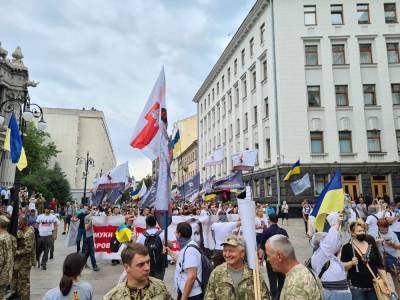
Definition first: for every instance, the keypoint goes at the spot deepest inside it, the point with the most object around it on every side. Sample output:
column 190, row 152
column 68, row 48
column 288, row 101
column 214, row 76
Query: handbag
column 377, row 281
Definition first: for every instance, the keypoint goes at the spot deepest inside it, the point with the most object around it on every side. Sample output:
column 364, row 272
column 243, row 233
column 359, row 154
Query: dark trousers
column 217, row 258
column 52, row 246
column 276, row 281
column 44, row 247
column 90, row 251
column 197, row 297
column 81, row 236
column 306, row 223
column 157, row 273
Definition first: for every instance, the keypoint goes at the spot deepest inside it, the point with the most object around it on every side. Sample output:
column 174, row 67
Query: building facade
column 76, row 132
column 14, row 81
column 187, row 164
column 311, row 80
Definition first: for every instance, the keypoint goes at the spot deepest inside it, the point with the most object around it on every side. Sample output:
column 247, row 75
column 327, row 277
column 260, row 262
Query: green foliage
column 38, row 148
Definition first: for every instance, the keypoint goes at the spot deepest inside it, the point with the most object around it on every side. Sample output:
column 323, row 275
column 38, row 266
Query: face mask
column 361, row 237
column 182, row 241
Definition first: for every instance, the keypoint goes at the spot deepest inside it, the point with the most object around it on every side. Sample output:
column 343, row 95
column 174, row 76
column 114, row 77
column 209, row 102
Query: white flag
column 216, row 158
column 245, row 160
column 143, row 190
column 301, row 185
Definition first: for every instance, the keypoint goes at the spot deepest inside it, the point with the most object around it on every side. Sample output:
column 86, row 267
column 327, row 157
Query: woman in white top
column 285, row 212
column 261, row 224
column 32, row 203
column 70, row 287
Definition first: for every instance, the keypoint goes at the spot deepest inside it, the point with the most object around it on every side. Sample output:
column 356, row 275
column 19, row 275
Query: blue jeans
column 81, row 236
column 362, row 295
column 90, row 250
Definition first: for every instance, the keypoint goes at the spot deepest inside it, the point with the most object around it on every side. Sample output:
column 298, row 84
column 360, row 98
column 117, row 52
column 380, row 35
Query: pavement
column 107, row 277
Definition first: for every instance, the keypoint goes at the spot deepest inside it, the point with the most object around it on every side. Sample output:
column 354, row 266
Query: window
column 342, row 98
column 224, row 135
column 311, row 55
column 398, row 139
column 246, row 121
column 256, row 188
column 393, row 53
column 262, row 31
column 235, row 66
column 201, row 108
column 390, row 13
column 254, row 77
column 266, row 107
column 338, row 54
column 374, row 141
column 268, row 149
column 345, row 144
column 365, row 53
column 218, row 113
column 217, row 88
column 244, row 88
column 229, row 74
column 255, row 115
column 251, row 47
column 243, row 56
column 208, row 99
column 264, row 66
column 314, row 99
column 363, row 13
column 337, row 14
column 230, row 131
column 230, row 101
column 213, row 95
column 396, row 93
column 369, row 94
column 317, row 142
column 237, row 95
column 223, row 107
column 320, row 182
column 237, row 126
column 310, row 15
column 223, row 82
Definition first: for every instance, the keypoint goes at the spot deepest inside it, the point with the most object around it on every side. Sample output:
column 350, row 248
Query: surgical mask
column 361, row 237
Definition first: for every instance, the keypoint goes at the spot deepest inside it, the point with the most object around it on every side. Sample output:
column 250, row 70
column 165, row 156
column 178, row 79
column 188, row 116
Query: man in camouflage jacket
column 8, row 246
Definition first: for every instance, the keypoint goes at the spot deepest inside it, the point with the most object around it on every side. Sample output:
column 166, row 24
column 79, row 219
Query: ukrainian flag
column 13, row 144
column 135, row 195
column 210, row 196
column 176, row 144
column 330, row 200
column 295, row 169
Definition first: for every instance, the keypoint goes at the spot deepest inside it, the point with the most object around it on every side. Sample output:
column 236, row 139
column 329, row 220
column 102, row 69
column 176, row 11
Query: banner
column 72, row 234
column 231, row 182
column 245, row 160
column 216, row 158
column 149, row 198
column 301, row 185
column 190, row 187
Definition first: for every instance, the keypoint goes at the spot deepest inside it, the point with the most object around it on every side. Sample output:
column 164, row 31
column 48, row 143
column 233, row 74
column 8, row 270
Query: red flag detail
column 150, row 129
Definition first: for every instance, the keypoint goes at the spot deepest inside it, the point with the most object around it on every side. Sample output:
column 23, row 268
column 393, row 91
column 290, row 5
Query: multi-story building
column 187, row 164
column 76, row 132
column 312, row 80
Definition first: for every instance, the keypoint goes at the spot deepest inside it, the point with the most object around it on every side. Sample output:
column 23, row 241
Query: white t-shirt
column 372, row 221
column 46, row 224
column 221, row 230
column 141, row 238
column 192, row 260
column 260, row 221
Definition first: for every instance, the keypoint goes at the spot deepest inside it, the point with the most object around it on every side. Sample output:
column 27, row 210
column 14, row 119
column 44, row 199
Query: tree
column 38, row 148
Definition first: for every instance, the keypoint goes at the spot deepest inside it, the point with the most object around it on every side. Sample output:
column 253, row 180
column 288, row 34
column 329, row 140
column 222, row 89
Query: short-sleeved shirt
column 192, row 260
column 46, row 224
column 141, row 238
column 88, row 219
column 80, row 290
column 221, row 230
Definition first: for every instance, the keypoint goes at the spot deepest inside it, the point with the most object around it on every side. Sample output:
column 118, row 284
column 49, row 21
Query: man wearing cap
column 233, row 279
column 8, row 245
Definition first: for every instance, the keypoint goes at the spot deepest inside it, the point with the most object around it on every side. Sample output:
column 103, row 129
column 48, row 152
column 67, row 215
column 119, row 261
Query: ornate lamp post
column 88, row 161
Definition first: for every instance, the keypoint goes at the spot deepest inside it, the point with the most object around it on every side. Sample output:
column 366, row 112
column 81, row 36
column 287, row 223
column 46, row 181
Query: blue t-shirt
column 80, row 290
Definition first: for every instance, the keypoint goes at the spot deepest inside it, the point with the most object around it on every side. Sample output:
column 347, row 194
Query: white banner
column 216, row 158
column 245, row 160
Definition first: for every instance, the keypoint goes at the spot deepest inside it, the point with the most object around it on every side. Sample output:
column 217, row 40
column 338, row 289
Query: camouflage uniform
column 23, row 264
column 40, row 204
column 8, row 245
column 300, row 284
column 155, row 291
column 220, row 285
column 33, row 252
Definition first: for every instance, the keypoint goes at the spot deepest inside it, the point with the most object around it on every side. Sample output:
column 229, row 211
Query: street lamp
column 88, row 161
column 20, row 103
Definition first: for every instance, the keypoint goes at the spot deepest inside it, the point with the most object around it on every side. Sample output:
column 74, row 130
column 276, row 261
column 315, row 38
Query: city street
column 106, row 278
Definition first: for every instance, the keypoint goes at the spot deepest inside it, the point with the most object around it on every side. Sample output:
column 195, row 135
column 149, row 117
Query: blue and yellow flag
column 295, row 169
column 176, row 144
column 13, row 144
column 135, row 195
column 330, row 200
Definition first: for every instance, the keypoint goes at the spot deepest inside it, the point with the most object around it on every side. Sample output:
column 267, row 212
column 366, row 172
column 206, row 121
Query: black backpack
column 206, row 267
column 154, row 245
column 114, row 244
column 324, row 268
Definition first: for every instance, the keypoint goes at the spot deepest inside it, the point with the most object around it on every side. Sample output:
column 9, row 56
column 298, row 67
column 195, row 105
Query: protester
column 362, row 208
column 285, row 212
column 276, row 279
column 139, row 284
column 261, row 224
column 188, row 265
column 47, row 225
column 8, row 245
column 306, row 211
column 81, row 214
column 361, row 253
column 70, row 286
column 300, row 282
column 233, row 279
column 90, row 242
column 153, row 239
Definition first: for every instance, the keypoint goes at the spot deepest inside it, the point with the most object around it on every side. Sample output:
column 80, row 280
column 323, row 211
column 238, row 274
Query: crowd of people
column 358, row 249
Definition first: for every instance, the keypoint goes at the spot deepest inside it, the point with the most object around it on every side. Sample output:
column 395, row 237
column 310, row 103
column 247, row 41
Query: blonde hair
column 358, row 222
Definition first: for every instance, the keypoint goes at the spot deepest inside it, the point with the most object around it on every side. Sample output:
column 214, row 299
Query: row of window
column 342, row 95
column 339, row 54
column 211, row 96
column 337, row 14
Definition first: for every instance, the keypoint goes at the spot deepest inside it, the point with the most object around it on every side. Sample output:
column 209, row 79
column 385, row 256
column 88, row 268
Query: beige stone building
column 76, row 132
column 187, row 164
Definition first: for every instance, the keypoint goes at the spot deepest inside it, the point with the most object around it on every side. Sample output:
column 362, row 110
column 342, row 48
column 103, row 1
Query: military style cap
column 4, row 221
column 233, row 240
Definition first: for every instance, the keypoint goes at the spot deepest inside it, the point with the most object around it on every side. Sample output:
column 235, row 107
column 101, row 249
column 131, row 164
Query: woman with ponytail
column 70, row 287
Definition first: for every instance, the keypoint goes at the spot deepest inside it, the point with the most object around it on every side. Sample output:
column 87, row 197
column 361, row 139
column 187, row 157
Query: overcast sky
column 108, row 54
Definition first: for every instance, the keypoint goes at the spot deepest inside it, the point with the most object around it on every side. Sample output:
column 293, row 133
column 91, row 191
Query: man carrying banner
column 234, row 279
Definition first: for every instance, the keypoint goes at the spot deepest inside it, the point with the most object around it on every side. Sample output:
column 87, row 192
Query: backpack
column 154, row 245
column 324, row 268
column 206, row 267
column 114, row 244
